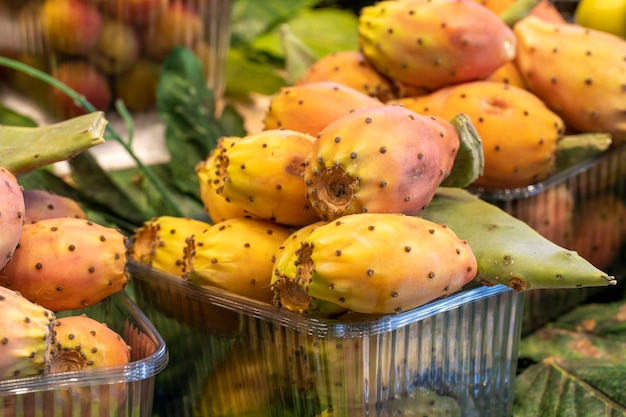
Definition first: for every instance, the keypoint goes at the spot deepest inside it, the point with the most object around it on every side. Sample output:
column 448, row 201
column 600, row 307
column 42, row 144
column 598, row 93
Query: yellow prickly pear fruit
column 263, row 174
column 434, row 43
column 579, row 73
column 308, row 108
column 236, row 255
column 519, row 133
column 349, row 68
column 216, row 206
column 161, row 242
column 507, row 74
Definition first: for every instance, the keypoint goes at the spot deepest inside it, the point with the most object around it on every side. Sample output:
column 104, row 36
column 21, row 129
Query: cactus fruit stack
column 11, row 215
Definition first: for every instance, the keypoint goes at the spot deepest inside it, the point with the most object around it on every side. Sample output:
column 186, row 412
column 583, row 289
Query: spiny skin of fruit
column 350, row 68
column 308, row 108
column 385, row 159
column 508, row 251
column 519, row 133
column 600, row 229
column 236, row 255
column 82, row 342
column 550, row 212
column 161, row 242
column 263, row 174
column 25, row 335
column 434, row 43
column 507, row 74
column 216, row 206
column 41, row 204
column 67, row 263
column 12, row 211
column 561, row 61
column 378, row 263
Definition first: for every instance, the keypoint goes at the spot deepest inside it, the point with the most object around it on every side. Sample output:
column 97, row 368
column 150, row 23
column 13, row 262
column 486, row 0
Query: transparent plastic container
column 232, row 356
column 581, row 208
column 115, row 391
column 110, row 49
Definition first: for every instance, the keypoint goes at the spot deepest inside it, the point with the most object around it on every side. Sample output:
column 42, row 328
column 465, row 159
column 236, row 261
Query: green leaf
column 298, row 56
column 323, row 30
column 245, row 75
column 12, row 118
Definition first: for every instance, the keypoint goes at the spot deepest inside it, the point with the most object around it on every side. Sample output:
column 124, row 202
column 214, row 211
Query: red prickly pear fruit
column 67, row 263
column 12, row 209
column 236, row 255
column 351, row 69
column 600, row 229
column 376, row 263
column 308, row 108
column 262, row 173
column 82, row 342
column 386, row 159
column 161, row 242
column 208, row 171
column 434, row 43
column 41, row 204
column 559, row 61
column 519, row 133
column 25, row 335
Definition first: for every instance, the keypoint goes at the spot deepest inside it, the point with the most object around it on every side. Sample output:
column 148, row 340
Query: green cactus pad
column 509, row 251
column 470, row 160
column 23, row 149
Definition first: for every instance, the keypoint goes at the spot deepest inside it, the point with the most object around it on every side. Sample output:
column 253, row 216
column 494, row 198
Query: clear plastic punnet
column 233, row 356
column 113, row 391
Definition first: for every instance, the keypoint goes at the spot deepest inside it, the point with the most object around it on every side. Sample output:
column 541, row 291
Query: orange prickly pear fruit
column 376, row 263
column 559, row 61
column 41, row 204
column 507, row 74
column 161, row 242
column 217, row 207
column 12, row 209
column 236, row 255
column 519, row 133
column 262, row 173
column 383, row 159
column 434, row 43
column 54, row 263
column 546, row 10
column 349, row 68
column 496, row 6
column 308, row 108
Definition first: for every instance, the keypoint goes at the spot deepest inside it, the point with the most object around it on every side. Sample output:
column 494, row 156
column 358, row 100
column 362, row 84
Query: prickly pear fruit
column 236, row 255
column 25, row 335
column 519, row 133
column 383, row 159
column 308, row 108
column 41, row 204
column 12, row 210
column 161, row 242
column 262, row 173
column 376, row 263
column 285, row 259
column 509, row 251
column 434, row 43
column 559, row 61
column 82, row 342
column 496, row 6
column 600, row 229
column 350, row 68
column 216, row 206
column 54, row 263
column 507, row 74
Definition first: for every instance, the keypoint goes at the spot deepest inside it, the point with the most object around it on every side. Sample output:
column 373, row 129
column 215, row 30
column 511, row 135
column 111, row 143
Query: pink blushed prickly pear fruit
column 262, row 173
column 71, row 26
column 308, row 108
column 25, row 335
column 237, row 255
column 67, row 263
column 385, row 159
column 559, row 61
column 434, row 43
column 12, row 210
column 376, row 263
column 41, row 204
column 161, row 242
column 82, row 342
